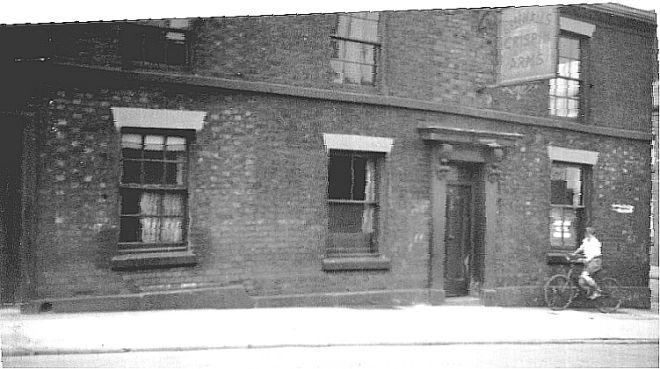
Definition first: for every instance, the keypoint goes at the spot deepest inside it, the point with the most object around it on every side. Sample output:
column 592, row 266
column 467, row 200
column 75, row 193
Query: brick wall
column 446, row 56
column 258, row 167
column 258, row 196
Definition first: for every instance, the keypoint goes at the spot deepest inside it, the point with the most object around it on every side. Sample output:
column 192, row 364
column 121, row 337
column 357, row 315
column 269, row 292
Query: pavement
column 179, row 330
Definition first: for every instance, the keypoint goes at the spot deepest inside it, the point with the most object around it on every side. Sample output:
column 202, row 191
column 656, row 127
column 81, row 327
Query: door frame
column 484, row 148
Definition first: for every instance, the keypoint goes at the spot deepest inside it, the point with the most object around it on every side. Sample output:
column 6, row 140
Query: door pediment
column 465, row 136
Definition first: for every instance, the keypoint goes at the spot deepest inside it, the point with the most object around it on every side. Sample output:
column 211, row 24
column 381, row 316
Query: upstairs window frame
column 570, row 75
column 146, row 45
column 347, row 38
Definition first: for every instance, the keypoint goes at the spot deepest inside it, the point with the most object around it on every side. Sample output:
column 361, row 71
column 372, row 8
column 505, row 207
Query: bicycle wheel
column 611, row 292
column 559, row 291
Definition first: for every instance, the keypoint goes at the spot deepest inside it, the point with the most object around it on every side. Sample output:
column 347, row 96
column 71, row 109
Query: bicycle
column 561, row 289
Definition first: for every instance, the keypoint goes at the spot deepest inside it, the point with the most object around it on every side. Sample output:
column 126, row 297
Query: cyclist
column 592, row 260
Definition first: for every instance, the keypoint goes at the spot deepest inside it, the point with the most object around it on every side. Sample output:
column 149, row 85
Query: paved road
column 612, row 354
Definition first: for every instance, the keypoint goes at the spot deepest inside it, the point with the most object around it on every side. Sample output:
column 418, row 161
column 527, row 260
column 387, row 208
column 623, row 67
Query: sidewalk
column 315, row 327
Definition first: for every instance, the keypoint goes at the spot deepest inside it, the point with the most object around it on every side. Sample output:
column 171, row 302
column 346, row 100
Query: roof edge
column 648, row 16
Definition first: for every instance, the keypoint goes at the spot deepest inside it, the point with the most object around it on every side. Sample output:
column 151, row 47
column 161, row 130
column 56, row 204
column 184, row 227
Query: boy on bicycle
column 593, row 261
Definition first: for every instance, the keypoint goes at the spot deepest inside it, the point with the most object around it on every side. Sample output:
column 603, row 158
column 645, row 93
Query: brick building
column 323, row 159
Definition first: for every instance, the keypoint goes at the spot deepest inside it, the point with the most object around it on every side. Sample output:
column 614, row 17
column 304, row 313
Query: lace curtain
column 369, row 196
column 164, row 228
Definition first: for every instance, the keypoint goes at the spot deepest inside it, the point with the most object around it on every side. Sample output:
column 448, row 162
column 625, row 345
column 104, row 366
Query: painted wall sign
column 623, row 208
column 528, row 44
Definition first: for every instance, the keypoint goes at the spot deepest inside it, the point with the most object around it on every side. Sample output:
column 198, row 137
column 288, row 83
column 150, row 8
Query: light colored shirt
column 590, row 247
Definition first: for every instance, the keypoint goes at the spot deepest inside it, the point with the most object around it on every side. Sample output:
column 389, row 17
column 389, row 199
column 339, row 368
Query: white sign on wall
column 623, row 208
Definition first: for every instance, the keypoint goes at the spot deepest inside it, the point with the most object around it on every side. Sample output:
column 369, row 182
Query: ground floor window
column 352, row 202
column 153, row 191
column 569, row 204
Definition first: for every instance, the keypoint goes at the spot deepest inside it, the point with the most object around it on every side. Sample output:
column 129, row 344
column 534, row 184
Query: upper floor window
column 156, row 43
column 355, row 48
column 566, row 88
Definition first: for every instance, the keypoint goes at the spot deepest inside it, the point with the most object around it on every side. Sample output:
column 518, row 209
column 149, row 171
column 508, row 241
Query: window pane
column 175, row 144
column 152, row 142
column 359, row 176
column 130, row 171
column 130, row 201
column 561, row 104
column 352, row 52
column 343, row 25
column 569, row 47
column 339, row 177
column 130, row 230
column 131, row 145
column 566, row 185
column 174, row 173
column 154, row 46
column 574, row 184
column 370, row 180
column 572, row 88
column 172, row 204
column 150, row 230
column 359, row 26
column 368, row 218
column 553, row 88
column 149, row 203
column 563, row 67
column 362, row 29
column 153, row 172
column 561, row 85
column 574, row 69
column 563, row 226
column 131, row 153
column 132, row 141
column 573, row 108
column 171, row 230
column 176, row 51
column 345, row 218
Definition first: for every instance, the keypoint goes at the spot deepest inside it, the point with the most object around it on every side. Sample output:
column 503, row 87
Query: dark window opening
column 352, row 203
column 146, row 45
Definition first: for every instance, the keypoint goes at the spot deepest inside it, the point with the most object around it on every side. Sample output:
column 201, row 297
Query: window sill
column 357, row 262
column 153, row 260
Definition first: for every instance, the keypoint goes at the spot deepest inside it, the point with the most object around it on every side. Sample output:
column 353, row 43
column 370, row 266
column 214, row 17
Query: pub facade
column 371, row 158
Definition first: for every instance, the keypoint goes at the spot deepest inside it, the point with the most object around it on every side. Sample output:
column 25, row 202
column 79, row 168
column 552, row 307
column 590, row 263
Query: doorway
column 463, row 239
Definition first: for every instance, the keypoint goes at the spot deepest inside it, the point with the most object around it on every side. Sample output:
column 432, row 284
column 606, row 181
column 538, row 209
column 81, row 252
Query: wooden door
column 458, row 238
